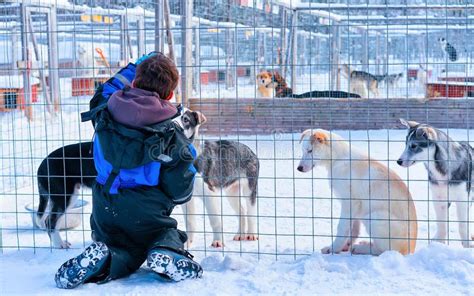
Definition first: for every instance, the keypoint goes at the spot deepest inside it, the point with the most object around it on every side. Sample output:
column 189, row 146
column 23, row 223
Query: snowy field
column 297, row 217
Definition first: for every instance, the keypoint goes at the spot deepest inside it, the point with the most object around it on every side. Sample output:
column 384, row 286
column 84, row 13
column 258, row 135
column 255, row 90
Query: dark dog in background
column 282, row 90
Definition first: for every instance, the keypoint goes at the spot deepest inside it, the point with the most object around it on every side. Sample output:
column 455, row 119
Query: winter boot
column 91, row 263
column 172, row 265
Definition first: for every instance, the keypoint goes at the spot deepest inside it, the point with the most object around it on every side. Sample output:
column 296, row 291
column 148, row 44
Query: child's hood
column 138, row 108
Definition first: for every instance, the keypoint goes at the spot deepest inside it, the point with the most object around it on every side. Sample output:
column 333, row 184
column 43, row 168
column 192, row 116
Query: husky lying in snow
column 450, row 168
column 370, row 193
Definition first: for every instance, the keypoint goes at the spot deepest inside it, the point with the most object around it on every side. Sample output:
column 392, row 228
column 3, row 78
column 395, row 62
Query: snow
column 433, row 270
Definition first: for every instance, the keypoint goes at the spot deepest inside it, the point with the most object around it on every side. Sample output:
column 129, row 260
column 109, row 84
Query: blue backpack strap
column 122, row 78
column 92, row 114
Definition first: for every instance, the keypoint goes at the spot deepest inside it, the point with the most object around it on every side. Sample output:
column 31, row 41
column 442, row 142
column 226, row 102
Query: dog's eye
column 185, row 120
column 310, row 151
column 413, row 146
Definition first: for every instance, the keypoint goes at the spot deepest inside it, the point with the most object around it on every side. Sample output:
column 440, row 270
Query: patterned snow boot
column 172, row 265
column 79, row 269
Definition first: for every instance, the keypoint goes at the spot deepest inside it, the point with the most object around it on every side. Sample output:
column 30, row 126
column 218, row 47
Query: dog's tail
column 43, row 191
column 43, row 201
column 325, row 94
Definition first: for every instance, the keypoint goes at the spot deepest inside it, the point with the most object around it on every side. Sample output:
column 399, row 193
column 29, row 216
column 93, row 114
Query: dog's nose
column 399, row 162
column 300, row 168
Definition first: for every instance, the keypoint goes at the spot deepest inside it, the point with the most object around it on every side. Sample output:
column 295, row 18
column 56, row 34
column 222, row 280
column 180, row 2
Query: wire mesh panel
column 301, row 149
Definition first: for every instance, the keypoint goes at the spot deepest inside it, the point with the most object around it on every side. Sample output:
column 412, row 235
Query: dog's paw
column 189, row 244
column 251, row 237
column 331, row 249
column 346, row 247
column 361, row 248
column 437, row 239
column 239, row 237
column 326, row 250
column 217, row 244
column 64, row 245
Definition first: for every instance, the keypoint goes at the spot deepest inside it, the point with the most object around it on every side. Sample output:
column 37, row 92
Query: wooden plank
column 263, row 116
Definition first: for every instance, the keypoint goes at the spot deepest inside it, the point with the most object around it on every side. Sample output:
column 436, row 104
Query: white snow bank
column 434, row 270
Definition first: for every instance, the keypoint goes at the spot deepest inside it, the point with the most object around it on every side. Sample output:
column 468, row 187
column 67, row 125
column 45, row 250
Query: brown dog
column 265, row 84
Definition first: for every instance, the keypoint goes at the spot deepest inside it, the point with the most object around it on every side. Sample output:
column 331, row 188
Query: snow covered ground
column 433, row 270
column 296, row 219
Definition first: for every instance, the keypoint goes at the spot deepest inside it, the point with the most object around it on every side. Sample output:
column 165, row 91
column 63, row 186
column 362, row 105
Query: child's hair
column 157, row 73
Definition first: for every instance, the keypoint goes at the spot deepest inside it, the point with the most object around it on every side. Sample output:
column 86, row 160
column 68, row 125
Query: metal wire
column 55, row 53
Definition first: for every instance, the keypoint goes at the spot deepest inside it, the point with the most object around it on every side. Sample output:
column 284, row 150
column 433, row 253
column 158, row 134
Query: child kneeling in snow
column 144, row 167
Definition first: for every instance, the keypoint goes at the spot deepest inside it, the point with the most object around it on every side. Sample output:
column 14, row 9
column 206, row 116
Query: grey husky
column 361, row 82
column 232, row 169
column 450, row 168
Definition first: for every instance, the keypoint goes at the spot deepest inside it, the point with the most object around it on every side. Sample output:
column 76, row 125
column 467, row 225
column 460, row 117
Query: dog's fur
column 88, row 64
column 66, row 169
column 391, row 80
column 232, row 169
column 361, row 82
column 450, row 168
column 265, row 84
column 420, row 78
column 370, row 193
column 282, row 90
column 60, row 175
column 449, row 50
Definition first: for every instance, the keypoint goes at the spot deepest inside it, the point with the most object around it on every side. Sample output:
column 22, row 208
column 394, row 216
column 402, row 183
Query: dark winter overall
column 144, row 166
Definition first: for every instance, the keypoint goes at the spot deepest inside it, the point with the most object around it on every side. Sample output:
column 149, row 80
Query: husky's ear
column 426, row 132
column 304, row 134
column 320, row 137
column 408, row 124
column 201, row 119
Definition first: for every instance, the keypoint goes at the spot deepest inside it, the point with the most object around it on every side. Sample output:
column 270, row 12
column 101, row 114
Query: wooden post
column 123, row 40
column 158, row 36
column 377, row 53
column 365, row 51
column 335, row 41
column 169, row 33
column 26, row 68
column 197, row 60
column 230, row 59
column 294, row 47
column 141, row 36
column 53, row 59
column 283, row 40
column 186, row 50
column 14, row 50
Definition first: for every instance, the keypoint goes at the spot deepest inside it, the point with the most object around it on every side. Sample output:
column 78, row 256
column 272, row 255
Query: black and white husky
column 66, row 169
column 226, row 168
column 449, row 50
column 450, row 169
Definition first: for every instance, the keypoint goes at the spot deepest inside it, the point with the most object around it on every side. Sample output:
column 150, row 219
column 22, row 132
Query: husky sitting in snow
column 370, row 193
column 449, row 164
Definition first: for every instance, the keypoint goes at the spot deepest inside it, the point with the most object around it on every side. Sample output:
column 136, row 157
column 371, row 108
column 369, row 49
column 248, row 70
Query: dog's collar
column 266, row 86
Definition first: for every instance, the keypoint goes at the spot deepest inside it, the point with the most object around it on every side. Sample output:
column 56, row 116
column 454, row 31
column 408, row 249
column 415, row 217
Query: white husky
column 370, row 193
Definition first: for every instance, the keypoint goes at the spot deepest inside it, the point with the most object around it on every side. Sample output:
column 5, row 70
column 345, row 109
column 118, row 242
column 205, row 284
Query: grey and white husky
column 226, row 168
column 361, row 82
column 450, row 168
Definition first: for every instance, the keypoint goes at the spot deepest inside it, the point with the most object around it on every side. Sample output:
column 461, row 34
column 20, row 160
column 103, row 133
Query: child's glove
column 144, row 57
